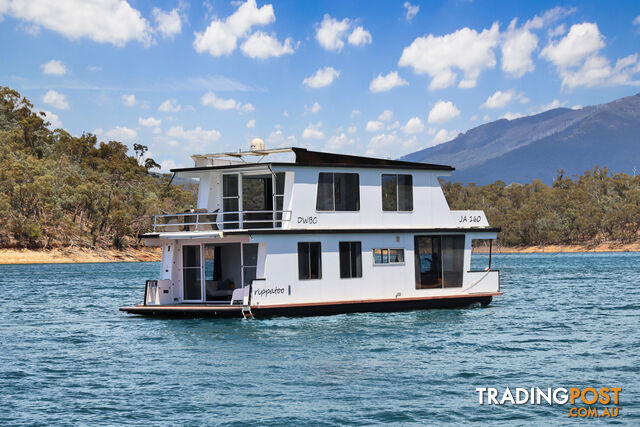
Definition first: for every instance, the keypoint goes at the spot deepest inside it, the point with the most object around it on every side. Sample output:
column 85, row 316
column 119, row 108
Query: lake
column 69, row 356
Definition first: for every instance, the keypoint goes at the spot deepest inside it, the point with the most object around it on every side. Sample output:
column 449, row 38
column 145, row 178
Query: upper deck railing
column 227, row 220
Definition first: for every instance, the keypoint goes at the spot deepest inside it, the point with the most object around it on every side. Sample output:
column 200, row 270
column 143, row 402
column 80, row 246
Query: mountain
column 537, row 146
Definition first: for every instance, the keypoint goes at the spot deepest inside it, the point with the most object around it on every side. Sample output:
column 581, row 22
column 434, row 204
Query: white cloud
column 277, row 138
column 211, row 100
column 56, row 100
column 121, row 134
column 466, row 49
column 94, row 68
column 499, row 99
column 196, row 135
column 338, row 142
column 261, row 45
column 557, row 31
column 106, row 21
column 390, row 145
column 443, row 112
column 637, row 20
column 385, row 116
column 313, row 131
column 129, row 100
column 168, row 24
column 354, row 113
column 581, row 41
column 315, row 107
column 321, row 78
column 285, row 114
column 53, row 119
column 167, row 165
column 220, row 37
column 550, row 106
column 414, row 125
column 352, row 129
column 374, row 126
column 331, row 33
column 444, row 136
column 157, row 131
column 385, row 83
column 359, row 37
column 55, row 68
column 473, row 118
column 511, row 116
column 251, row 124
column 412, row 10
column 170, row 106
column 149, row 122
column 247, row 108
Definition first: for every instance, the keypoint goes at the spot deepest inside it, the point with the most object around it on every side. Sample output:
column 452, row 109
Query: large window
column 350, row 259
column 338, row 192
column 388, row 256
column 230, row 200
column 439, row 261
column 397, row 192
column 309, row 260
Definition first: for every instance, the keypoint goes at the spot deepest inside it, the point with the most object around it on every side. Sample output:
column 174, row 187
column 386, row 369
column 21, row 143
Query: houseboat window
column 249, row 262
column 257, row 201
column 388, row 256
column 439, row 261
column 278, row 196
column 397, row 192
column 309, row 260
column 191, row 281
column 481, row 254
column 338, row 192
column 230, row 200
column 212, row 271
column 350, row 259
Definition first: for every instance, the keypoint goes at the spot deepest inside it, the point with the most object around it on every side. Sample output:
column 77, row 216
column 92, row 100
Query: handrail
column 238, row 222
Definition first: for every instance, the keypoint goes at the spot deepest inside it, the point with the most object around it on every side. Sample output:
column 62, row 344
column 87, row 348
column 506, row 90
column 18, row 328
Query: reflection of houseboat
column 323, row 234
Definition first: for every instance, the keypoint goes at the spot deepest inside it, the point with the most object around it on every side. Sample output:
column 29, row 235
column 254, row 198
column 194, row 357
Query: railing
column 231, row 220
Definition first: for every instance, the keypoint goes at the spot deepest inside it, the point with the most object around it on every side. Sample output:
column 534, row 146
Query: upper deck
column 317, row 191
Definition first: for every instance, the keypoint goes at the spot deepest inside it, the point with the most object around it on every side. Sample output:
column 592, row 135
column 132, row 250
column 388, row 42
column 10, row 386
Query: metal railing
column 225, row 220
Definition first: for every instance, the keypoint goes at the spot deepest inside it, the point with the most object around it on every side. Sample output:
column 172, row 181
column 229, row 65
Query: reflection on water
column 69, row 356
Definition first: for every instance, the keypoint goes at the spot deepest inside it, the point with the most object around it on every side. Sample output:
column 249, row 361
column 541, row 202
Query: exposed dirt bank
column 77, row 255
column 603, row 247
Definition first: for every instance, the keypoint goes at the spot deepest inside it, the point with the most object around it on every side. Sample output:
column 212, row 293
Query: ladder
column 246, row 304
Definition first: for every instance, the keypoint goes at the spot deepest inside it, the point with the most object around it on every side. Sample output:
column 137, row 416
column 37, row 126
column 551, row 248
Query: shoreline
column 150, row 254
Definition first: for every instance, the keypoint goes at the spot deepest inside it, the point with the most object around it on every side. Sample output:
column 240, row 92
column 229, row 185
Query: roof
column 306, row 157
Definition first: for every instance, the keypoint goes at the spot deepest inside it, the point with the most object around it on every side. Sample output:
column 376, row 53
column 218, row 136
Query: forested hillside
column 60, row 190
column 592, row 208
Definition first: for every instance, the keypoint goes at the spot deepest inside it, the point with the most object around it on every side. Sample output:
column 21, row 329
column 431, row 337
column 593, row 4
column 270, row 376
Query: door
column 191, row 273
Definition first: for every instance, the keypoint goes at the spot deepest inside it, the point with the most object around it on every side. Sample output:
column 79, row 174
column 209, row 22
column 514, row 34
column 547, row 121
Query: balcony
column 203, row 220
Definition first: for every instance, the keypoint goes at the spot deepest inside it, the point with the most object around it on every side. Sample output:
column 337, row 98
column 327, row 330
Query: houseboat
column 290, row 231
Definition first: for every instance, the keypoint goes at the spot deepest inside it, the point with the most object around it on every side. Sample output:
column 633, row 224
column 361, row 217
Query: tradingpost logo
column 587, row 402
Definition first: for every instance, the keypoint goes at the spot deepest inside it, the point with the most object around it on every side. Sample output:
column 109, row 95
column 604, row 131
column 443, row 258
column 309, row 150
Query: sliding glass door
column 439, row 261
column 191, row 273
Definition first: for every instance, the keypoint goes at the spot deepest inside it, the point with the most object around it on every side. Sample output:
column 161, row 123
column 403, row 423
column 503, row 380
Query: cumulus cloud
column 499, row 99
column 359, row 37
column 221, row 36
column 278, row 139
column 168, row 24
column 149, row 122
column 247, row 108
column 637, row 20
column 579, row 63
column 414, row 125
column 56, row 100
column 352, row 129
column 331, row 34
column 550, row 106
column 444, row 135
column 211, row 100
column 442, row 112
column 412, row 10
column 386, row 115
column 53, row 119
column 374, row 126
column 321, row 78
column 55, row 68
column 251, row 124
column 313, row 131
column 261, row 45
column 338, row 142
column 121, row 134
column 315, row 107
column 438, row 56
column 106, row 21
column 170, row 106
column 354, row 113
column 129, row 100
column 390, row 145
column 196, row 135
column 511, row 116
column 385, row 83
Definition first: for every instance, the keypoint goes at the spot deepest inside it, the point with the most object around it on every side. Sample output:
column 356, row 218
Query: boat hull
column 313, row 309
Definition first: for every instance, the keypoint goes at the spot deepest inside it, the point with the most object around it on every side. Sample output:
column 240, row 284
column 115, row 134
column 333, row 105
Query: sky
column 369, row 78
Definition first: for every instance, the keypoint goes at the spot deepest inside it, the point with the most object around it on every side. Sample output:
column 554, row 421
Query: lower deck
column 313, row 309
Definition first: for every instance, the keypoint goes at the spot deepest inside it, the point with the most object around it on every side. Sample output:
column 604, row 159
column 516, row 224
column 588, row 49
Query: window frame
column 397, row 192
column 333, row 185
column 350, row 253
column 388, row 249
column 309, row 260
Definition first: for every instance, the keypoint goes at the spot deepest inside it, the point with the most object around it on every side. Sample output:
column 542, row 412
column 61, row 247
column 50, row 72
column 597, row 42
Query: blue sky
column 370, row 78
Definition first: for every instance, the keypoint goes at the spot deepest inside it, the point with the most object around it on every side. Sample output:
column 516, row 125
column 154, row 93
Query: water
column 68, row 356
